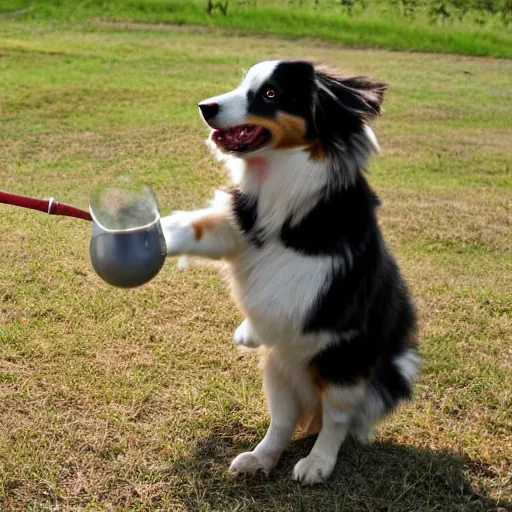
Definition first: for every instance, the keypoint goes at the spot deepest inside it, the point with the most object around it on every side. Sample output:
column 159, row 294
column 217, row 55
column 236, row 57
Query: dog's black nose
column 209, row 110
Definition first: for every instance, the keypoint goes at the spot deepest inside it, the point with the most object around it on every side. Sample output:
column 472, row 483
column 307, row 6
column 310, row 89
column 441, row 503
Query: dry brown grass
column 137, row 400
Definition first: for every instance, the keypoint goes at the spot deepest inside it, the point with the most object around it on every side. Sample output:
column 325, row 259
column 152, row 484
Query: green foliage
column 448, row 26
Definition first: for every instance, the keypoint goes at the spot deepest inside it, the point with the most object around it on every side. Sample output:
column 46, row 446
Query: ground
column 137, row 400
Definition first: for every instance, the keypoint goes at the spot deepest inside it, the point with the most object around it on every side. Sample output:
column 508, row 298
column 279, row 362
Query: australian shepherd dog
column 307, row 263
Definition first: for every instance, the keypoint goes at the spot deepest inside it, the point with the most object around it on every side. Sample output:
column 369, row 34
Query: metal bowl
column 127, row 257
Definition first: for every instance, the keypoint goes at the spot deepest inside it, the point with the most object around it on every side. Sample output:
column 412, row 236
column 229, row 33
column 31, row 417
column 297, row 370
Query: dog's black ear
column 296, row 78
column 357, row 96
column 296, row 71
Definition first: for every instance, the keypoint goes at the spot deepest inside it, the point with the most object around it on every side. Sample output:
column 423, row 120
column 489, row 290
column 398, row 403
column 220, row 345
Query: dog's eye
column 270, row 94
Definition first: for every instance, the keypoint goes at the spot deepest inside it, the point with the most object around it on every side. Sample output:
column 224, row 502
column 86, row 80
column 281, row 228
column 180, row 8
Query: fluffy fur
column 308, row 265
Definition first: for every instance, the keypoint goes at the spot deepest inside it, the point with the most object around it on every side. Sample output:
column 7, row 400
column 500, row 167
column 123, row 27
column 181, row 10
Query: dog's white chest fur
column 276, row 287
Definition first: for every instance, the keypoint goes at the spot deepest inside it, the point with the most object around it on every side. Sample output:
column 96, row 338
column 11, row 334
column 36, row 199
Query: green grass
column 137, row 400
column 382, row 25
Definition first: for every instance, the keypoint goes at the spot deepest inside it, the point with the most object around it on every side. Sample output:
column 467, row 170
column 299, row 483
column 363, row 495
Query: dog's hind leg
column 363, row 422
column 338, row 405
column 284, row 409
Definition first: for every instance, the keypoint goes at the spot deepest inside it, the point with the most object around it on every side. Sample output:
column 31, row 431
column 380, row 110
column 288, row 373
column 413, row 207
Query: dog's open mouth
column 243, row 138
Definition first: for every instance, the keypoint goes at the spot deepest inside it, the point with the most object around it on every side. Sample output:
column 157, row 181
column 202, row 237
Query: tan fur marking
column 319, row 382
column 287, row 131
column 294, row 131
column 317, row 151
column 311, row 421
column 205, row 223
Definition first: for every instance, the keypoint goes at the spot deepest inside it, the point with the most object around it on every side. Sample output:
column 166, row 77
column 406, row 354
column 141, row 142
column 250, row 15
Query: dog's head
column 291, row 104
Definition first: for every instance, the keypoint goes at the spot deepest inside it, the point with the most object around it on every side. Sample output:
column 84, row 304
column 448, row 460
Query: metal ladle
column 127, row 246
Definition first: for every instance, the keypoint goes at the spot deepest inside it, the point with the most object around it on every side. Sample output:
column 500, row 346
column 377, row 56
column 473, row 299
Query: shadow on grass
column 382, row 477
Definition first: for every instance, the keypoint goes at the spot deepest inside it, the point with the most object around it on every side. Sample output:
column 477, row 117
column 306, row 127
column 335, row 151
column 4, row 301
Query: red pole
column 49, row 206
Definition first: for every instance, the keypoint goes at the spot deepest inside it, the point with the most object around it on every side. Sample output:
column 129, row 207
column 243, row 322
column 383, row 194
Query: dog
column 306, row 261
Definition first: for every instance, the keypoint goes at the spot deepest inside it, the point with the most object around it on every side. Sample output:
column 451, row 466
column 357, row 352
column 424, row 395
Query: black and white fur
column 307, row 262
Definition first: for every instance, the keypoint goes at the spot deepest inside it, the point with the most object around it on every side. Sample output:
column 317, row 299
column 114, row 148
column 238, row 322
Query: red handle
column 44, row 205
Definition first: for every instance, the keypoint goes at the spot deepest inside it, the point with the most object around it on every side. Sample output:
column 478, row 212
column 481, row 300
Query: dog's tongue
column 239, row 138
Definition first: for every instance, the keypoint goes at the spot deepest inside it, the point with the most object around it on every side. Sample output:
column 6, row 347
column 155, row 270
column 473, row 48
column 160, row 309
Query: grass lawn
column 136, row 400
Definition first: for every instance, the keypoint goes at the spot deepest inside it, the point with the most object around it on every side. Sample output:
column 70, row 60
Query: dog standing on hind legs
column 307, row 263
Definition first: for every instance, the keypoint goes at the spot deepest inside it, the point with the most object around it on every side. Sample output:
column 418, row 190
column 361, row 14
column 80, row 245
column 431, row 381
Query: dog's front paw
column 250, row 463
column 244, row 335
column 178, row 232
column 313, row 469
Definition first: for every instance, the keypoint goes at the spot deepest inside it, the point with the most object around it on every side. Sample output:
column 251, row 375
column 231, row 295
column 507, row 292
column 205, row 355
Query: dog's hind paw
column 313, row 469
column 250, row 463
